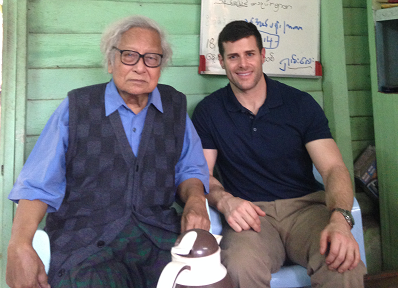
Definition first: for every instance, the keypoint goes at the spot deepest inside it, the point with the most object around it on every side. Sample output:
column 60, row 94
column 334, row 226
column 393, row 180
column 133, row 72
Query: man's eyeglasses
column 130, row 58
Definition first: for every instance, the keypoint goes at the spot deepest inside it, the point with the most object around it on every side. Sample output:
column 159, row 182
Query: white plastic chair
column 41, row 243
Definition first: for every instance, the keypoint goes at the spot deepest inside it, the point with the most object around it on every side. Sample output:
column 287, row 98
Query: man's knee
column 323, row 277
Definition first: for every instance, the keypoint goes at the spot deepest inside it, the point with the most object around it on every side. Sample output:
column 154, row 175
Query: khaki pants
column 290, row 231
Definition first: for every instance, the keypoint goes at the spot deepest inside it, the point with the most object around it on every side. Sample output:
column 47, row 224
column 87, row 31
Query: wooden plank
column 335, row 79
column 185, row 79
column 83, row 50
column 29, row 144
column 318, row 96
column 39, row 111
column 362, row 128
column 308, row 85
column 49, row 16
column 47, row 107
column 354, row 4
column 156, row 1
column 12, row 116
column 358, row 77
column 192, row 101
column 360, row 103
column 356, row 49
column 355, row 21
column 37, row 115
column 55, row 83
column 359, row 146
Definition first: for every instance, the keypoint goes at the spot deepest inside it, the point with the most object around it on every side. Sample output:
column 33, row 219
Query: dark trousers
column 132, row 260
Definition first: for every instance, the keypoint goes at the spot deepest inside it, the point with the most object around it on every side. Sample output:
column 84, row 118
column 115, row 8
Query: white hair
column 112, row 35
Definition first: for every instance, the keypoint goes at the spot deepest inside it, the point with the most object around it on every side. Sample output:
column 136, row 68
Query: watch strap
column 347, row 215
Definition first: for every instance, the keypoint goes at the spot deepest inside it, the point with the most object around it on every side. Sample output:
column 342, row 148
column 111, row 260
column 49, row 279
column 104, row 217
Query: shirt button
column 254, row 129
column 100, row 244
column 61, row 272
column 251, row 117
column 134, row 129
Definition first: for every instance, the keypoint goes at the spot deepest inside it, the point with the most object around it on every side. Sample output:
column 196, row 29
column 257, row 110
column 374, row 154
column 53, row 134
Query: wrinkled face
column 243, row 62
column 136, row 80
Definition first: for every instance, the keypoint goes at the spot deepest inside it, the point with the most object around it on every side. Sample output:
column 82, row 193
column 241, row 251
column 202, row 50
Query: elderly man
column 107, row 167
column 264, row 136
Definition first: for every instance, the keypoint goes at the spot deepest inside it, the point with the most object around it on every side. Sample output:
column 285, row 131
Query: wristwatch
column 347, row 215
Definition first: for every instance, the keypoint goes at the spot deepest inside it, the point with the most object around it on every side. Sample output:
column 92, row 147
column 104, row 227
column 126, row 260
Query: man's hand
column 195, row 214
column 24, row 268
column 343, row 249
column 241, row 214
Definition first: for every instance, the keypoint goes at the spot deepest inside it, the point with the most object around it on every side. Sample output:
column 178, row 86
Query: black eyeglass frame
column 139, row 57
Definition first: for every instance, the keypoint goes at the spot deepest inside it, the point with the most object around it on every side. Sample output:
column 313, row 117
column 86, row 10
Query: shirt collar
column 113, row 100
column 273, row 99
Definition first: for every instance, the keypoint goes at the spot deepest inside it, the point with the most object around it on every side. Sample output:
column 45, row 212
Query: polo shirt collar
column 113, row 100
column 273, row 99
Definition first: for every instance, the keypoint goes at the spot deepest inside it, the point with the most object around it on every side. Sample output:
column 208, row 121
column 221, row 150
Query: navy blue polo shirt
column 263, row 157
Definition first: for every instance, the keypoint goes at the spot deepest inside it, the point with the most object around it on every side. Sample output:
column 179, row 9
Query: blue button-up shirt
column 43, row 175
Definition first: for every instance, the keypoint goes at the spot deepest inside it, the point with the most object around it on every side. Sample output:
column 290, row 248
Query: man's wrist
column 222, row 202
column 347, row 216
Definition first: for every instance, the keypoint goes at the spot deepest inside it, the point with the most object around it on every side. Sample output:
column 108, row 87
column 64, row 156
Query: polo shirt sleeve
column 201, row 119
column 43, row 175
column 315, row 123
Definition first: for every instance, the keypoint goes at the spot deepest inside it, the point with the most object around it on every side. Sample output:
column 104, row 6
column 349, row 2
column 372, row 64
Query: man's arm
column 24, row 267
column 240, row 214
column 192, row 181
column 344, row 250
column 195, row 214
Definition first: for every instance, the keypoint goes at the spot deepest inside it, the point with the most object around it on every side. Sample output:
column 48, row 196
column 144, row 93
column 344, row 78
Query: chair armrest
column 215, row 221
column 357, row 230
column 41, row 243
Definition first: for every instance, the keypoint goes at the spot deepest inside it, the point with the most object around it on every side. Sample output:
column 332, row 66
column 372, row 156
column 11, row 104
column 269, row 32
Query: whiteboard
column 290, row 30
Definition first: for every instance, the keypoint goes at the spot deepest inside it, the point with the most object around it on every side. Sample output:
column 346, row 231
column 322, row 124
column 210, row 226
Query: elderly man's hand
column 195, row 215
column 24, row 268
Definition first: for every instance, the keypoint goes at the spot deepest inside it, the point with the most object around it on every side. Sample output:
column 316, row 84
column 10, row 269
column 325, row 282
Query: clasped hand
column 241, row 214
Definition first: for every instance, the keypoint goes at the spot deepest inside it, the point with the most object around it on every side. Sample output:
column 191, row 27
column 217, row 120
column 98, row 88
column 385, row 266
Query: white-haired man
column 107, row 166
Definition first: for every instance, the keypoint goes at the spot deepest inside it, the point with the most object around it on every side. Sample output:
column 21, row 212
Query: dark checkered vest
column 107, row 185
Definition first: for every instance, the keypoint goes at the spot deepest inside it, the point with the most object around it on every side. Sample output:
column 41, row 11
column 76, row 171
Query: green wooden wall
column 358, row 75
column 52, row 46
column 385, row 107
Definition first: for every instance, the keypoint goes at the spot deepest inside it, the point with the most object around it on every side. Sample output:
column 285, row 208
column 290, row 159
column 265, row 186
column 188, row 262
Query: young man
column 108, row 166
column 264, row 137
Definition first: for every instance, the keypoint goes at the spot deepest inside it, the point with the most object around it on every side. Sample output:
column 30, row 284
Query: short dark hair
column 237, row 30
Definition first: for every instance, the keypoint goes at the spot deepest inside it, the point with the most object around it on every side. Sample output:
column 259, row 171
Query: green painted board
column 82, row 17
column 83, row 50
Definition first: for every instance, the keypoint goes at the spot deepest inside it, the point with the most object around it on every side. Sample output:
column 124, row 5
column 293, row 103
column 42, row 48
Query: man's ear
column 263, row 55
column 221, row 61
column 110, row 68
